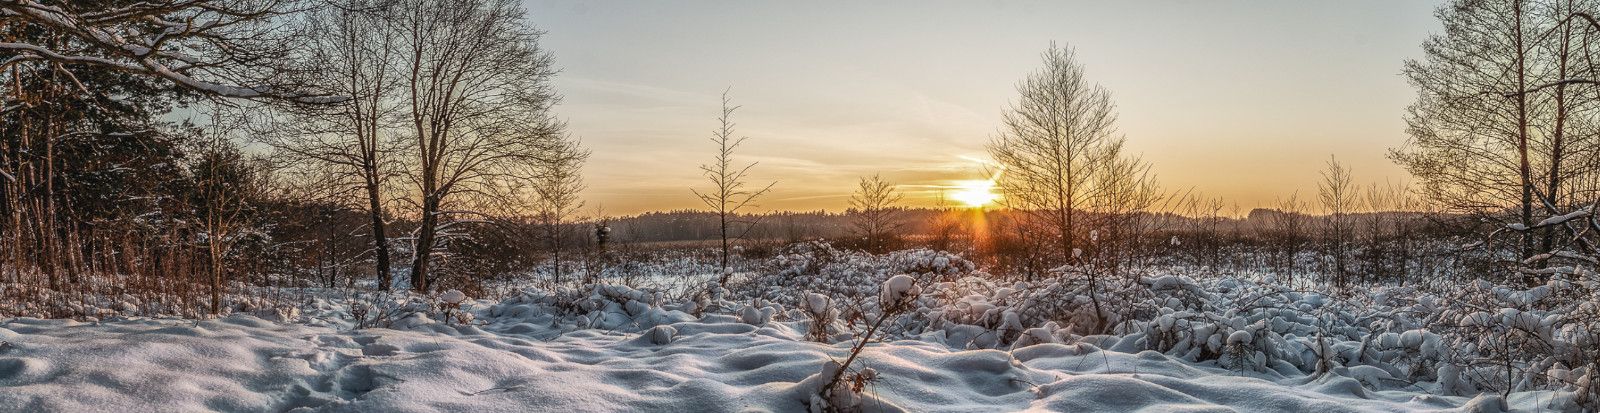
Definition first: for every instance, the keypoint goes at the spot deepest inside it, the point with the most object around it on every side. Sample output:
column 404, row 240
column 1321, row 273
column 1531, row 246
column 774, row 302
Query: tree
column 478, row 99
column 1125, row 189
column 82, row 152
column 876, row 217
column 355, row 49
column 557, row 185
column 232, row 48
column 226, row 185
column 729, row 192
column 1059, row 149
column 1338, row 196
column 1061, row 155
column 1288, row 228
column 1504, row 109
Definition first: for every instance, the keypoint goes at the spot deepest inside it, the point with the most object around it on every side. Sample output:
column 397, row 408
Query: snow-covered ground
column 719, row 363
column 961, row 342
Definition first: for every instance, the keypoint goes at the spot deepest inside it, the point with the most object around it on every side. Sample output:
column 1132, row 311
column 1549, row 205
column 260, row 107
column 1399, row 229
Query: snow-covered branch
column 225, row 49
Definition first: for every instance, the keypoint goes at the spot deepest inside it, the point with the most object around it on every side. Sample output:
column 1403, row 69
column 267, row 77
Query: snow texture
column 591, row 351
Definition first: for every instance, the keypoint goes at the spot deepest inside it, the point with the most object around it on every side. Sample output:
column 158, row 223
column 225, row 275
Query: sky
column 1239, row 100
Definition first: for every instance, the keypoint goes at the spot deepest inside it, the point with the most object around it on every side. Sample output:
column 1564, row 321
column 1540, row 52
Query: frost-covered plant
column 386, row 310
column 842, row 391
column 450, row 303
column 819, row 310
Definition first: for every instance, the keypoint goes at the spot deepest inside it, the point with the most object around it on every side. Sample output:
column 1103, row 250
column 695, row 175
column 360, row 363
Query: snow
column 899, row 288
column 954, row 339
column 590, row 350
column 243, row 363
column 1563, row 218
column 453, row 297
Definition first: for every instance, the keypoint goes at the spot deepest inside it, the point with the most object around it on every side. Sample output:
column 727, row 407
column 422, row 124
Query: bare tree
column 355, row 50
column 1289, row 230
column 876, row 217
column 557, row 185
column 1338, row 196
column 1126, row 189
column 729, row 191
column 478, row 98
column 1062, row 156
column 1504, row 110
column 1054, row 145
column 226, row 183
column 944, row 224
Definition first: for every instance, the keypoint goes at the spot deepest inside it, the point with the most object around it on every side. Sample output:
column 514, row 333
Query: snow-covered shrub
column 845, row 276
column 450, row 304
column 1508, row 339
column 388, row 310
column 600, row 306
column 841, row 392
column 819, row 312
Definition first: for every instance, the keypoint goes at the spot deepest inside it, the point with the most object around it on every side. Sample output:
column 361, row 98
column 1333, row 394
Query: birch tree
column 1337, row 193
column 1062, row 155
column 1057, row 143
column 559, row 181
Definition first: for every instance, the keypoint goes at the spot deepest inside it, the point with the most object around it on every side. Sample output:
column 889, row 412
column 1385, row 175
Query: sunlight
column 975, row 193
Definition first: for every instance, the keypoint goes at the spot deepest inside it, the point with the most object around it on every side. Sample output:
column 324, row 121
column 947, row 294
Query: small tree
column 558, row 182
column 1338, row 197
column 1288, row 231
column 876, row 217
column 226, row 184
column 729, row 190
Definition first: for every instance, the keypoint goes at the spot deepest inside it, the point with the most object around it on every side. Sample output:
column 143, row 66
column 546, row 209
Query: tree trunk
column 1523, row 169
column 425, row 240
column 380, row 239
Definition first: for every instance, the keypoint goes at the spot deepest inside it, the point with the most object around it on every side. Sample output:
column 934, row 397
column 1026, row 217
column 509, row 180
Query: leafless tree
column 559, row 180
column 1062, row 156
column 1289, row 230
column 876, row 216
column 226, row 183
column 1125, row 189
column 945, row 225
column 354, row 52
column 1505, row 111
column 1058, row 141
column 729, row 191
column 1337, row 194
column 478, row 99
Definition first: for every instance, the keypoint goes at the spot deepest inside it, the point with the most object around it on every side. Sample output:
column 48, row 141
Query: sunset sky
column 1238, row 100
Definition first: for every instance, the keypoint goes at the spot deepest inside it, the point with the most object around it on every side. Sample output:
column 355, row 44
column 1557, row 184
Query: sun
column 975, row 194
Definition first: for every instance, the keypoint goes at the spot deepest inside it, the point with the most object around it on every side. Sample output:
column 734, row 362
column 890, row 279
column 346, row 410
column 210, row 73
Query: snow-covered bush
column 842, row 390
column 819, row 312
